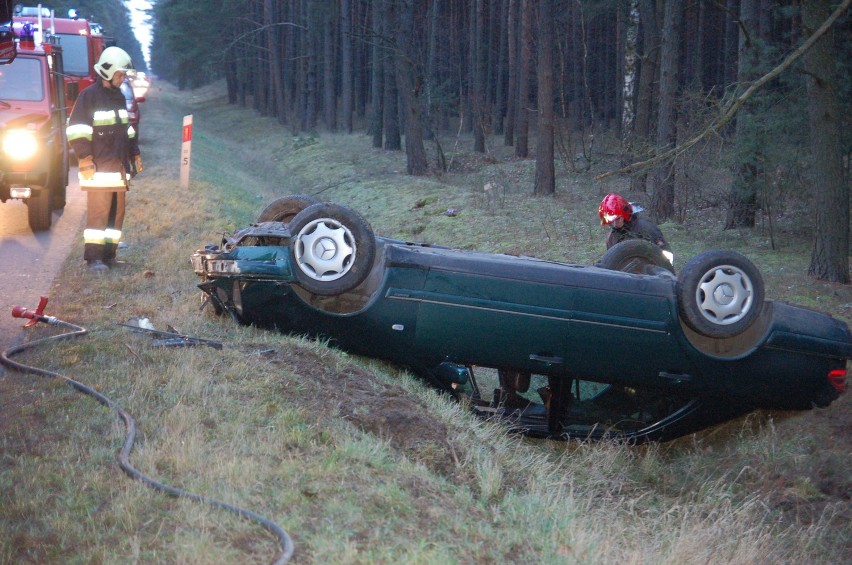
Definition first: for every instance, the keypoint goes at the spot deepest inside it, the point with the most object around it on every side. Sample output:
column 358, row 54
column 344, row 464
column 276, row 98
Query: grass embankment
column 361, row 464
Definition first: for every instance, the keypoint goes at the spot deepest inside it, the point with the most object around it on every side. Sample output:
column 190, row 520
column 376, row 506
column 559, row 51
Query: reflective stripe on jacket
column 99, row 126
column 105, row 180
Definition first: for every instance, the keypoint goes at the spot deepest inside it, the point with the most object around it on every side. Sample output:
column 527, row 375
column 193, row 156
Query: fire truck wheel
column 58, row 183
column 38, row 208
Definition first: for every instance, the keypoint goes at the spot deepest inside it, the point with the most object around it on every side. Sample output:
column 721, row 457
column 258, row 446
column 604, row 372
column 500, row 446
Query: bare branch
column 258, row 30
column 733, row 107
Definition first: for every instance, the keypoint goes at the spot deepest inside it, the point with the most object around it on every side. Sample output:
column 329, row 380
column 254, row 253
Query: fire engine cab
column 82, row 43
column 33, row 145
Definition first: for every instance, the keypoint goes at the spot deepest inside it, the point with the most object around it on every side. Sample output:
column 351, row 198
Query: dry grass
column 290, row 428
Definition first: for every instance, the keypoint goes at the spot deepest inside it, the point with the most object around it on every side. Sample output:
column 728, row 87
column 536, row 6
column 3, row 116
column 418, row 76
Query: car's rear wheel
column 636, row 256
column 333, row 248
column 720, row 293
column 285, row 209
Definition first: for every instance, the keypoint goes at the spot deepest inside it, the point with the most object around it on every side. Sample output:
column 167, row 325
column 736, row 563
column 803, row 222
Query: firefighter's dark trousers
column 104, row 218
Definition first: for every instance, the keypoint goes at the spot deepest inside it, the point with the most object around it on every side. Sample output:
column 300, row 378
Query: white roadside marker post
column 186, row 151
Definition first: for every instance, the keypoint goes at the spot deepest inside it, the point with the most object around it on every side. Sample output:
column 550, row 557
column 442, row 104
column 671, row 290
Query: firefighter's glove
column 86, row 168
column 137, row 163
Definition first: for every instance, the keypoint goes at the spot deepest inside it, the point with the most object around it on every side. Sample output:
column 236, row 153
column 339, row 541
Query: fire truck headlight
column 20, row 145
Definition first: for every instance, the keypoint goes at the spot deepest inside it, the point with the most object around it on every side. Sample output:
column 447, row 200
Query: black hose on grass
column 286, row 543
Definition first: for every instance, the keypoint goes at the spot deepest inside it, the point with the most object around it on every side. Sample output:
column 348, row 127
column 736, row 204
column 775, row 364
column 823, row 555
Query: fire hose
column 36, row 316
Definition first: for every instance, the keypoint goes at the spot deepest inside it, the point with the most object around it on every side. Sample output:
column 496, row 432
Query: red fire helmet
column 614, row 206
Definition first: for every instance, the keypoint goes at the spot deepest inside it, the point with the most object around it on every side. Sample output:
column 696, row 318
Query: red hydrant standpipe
column 129, row 424
column 35, row 317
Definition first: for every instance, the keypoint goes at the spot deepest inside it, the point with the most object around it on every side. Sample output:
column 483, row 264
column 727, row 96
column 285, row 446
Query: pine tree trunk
column 292, row 66
column 742, row 202
column 698, row 62
column 377, row 126
column 830, row 254
column 391, row 93
column 432, row 78
column 409, row 87
column 512, row 85
column 277, row 83
column 477, row 70
column 522, row 124
column 502, row 56
column 309, row 84
column 629, row 83
column 646, row 97
column 361, row 63
column 731, row 42
column 662, row 176
column 329, row 59
column 545, row 175
column 346, row 65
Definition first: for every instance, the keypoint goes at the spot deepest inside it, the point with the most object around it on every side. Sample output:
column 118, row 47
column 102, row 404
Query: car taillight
column 837, row 378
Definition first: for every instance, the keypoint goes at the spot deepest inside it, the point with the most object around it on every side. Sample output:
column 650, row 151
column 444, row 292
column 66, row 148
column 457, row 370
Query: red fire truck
column 33, row 145
column 82, row 42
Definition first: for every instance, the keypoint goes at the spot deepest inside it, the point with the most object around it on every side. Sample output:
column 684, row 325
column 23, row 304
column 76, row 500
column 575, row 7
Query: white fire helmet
column 111, row 60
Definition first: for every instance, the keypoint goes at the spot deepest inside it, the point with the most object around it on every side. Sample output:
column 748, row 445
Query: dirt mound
column 387, row 411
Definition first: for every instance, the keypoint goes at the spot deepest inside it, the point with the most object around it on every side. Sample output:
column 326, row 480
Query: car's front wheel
column 720, row 293
column 38, row 209
column 333, row 248
column 59, row 183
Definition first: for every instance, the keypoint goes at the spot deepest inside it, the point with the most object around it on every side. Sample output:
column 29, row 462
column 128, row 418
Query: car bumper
column 23, row 178
column 264, row 263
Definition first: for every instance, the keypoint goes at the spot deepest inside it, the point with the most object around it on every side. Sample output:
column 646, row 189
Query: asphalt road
column 30, row 262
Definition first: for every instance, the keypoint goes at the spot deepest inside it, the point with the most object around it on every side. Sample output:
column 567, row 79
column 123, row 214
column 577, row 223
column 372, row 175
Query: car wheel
column 720, row 293
column 635, row 256
column 38, row 209
column 59, row 183
column 333, row 248
column 285, row 209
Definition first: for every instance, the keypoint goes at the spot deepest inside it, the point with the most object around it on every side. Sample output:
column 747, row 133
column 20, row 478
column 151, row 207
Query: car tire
column 285, row 209
column 332, row 247
column 59, row 184
column 636, row 256
column 720, row 293
column 38, row 209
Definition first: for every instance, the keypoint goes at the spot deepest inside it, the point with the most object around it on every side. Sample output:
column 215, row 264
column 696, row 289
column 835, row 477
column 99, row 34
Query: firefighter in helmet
column 105, row 143
column 616, row 212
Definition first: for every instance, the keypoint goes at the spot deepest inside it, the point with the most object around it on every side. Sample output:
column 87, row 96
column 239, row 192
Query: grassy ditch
column 358, row 462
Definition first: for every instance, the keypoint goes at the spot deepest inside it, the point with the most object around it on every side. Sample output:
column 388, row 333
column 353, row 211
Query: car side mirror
column 8, row 50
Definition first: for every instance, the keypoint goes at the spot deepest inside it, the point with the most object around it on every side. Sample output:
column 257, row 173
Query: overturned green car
column 621, row 349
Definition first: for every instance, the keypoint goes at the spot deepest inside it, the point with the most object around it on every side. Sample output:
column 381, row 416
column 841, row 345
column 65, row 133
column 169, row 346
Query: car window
column 21, row 80
column 75, row 54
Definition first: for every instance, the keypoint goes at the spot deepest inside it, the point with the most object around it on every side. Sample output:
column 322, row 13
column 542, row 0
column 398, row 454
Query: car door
column 623, row 328
column 495, row 312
